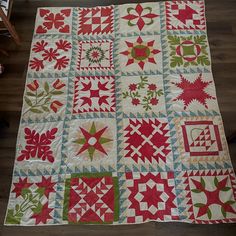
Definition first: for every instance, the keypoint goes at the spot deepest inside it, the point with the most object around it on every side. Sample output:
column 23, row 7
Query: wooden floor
column 221, row 16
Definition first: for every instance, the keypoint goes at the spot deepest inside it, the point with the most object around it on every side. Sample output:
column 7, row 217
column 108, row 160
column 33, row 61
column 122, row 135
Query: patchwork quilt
column 120, row 122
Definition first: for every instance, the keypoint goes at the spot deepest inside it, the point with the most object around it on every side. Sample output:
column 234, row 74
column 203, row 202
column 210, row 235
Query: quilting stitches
column 147, row 140
column 95, row 55
column 94, row 94
column 185, row 15
column 151, row 197
column 51, row 20
column 91, row 199
column 97, row 20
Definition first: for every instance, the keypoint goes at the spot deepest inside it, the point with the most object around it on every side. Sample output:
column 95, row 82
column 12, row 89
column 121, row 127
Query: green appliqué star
column 92, row 141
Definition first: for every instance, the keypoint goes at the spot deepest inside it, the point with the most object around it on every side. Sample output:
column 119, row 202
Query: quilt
column 120, row 122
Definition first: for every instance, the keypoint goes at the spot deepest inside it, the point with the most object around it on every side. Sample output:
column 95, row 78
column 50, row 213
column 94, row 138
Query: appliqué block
column 54, row 21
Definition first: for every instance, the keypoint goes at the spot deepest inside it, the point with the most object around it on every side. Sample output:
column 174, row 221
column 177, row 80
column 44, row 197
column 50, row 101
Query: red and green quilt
column 120, row 122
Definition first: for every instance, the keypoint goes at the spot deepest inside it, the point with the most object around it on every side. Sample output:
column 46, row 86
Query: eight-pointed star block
column 185, row 15
column 95, row 55
column 91, row 198
column 151, row 196
column 94, row 94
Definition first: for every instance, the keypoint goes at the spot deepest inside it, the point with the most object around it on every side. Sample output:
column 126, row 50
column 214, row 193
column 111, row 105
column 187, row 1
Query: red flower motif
column 36, row 64
column 55, row 105
column 132, row 87
column 152, row 87
column 47, row 185
column 135, row 101
column 38, row 146
column 51, row 20
column 40, row 46
column 50, row 54
column 63, row 45
column 42, row 216
column 33, row 86
column 22, row 184
column 58, row 84
column 61, row 63
column 139, row 15
column 154, row 101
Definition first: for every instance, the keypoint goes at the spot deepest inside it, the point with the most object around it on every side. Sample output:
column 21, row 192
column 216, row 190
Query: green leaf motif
column 223, row 211
column 216, row 182
column 209, row 214
column 28, row 102
column 203, row 60
column 176, row 61
column 45, row 108
column 56, row 92
column 200, row 39
column 46, row 87
column 174, row 40
column 225, row 189
column 196, row 190
column 230, row 202
column 199, row 205
column 34, row 110
column 38, row 208
column 30, row 94
column 11, row 219
column 40, row 94
column 203, row 183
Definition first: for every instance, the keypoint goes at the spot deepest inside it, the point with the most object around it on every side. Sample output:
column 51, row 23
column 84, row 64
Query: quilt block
column 120, row 122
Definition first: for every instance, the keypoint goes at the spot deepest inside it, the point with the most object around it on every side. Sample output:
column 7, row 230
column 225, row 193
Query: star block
column 151, row 196
column 95, row 55
column 94, row 94
column 91, row 198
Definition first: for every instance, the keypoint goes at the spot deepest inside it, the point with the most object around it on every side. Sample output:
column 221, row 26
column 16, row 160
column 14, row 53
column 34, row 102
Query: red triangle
column 90, row 216
column 103, row 211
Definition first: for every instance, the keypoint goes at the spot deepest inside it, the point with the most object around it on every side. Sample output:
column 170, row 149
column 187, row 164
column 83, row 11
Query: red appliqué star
column 193, row 91
column 140, row 52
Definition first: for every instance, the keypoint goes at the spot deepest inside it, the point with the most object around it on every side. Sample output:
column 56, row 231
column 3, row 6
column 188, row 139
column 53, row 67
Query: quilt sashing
column 120, row 122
